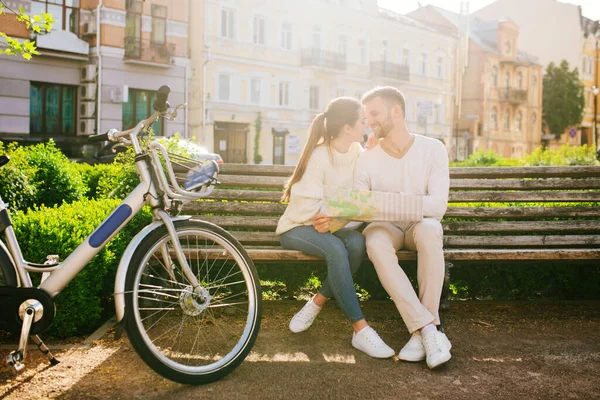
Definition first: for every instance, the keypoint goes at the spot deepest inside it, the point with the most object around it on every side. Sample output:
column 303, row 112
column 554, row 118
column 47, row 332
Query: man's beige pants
column 384, row 239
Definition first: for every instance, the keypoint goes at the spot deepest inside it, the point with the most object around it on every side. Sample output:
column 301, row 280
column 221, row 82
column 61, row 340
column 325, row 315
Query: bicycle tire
column 150, row 282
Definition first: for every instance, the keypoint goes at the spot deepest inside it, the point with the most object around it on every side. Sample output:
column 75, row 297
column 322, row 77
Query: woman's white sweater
column 326, row 169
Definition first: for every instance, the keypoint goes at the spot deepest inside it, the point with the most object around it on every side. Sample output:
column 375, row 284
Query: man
column 407, row 163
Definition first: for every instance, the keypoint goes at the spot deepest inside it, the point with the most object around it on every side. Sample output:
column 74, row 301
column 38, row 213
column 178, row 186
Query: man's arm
column 435, row 202
column 362, row 180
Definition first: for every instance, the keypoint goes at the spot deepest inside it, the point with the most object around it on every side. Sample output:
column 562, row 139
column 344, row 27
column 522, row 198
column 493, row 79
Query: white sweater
column 306, row 196
column 422, row 171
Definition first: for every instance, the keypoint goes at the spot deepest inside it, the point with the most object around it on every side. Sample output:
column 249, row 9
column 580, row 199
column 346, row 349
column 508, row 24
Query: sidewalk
column 500, row 351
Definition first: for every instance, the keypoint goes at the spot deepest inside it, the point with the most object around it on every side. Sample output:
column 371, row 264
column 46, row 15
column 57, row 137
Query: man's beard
column 384, row 128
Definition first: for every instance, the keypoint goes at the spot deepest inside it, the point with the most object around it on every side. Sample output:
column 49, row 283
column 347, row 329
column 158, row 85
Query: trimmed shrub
column 59, row 230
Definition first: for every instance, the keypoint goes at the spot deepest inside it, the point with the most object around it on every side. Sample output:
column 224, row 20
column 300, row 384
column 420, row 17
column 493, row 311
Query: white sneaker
column 414, row 350
column 305, row 317
column 437, row 349
column 368, row 341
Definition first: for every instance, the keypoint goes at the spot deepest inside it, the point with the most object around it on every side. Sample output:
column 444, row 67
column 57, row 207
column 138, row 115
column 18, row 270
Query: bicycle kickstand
column 44, row 350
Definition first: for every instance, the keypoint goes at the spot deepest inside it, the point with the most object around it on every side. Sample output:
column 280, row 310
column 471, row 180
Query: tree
column 36, row 24
column 563, row 98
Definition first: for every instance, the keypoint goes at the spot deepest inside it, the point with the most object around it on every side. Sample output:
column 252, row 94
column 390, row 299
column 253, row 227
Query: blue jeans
column 343, row 251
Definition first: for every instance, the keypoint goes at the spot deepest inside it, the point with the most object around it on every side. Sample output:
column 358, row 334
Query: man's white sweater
column 325, row 169
column 422, row 172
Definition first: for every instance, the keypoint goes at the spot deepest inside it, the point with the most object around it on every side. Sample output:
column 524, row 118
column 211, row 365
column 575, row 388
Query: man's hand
column 321, row 223
column 372, row 141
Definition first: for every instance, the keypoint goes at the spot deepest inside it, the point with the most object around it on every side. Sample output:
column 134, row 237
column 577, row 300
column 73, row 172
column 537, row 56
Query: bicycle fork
column 30, row 311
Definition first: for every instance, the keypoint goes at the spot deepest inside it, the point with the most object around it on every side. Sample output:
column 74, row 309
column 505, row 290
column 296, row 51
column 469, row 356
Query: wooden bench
column 247, row 204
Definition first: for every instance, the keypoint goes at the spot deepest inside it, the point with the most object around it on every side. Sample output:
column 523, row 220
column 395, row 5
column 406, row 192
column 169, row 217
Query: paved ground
column 501, row 351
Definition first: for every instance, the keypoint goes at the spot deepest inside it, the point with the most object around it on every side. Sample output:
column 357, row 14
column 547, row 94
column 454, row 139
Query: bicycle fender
column 126, row 259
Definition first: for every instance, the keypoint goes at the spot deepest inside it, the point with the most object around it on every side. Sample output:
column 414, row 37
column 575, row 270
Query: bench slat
column 455, row 172
column 278, row 182
column 270, row 223
column 201, row 207
column 554, row 196
column 270, row 238
column 259, row 254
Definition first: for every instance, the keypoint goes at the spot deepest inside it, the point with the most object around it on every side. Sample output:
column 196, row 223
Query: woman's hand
column 321, row 223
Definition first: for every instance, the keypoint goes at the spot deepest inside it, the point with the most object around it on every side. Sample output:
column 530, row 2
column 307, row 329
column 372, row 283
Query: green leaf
column 37, row 18
column 26, row 56
column 37, row 29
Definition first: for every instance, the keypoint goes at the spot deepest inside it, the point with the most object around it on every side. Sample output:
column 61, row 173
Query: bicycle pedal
column 14, row 360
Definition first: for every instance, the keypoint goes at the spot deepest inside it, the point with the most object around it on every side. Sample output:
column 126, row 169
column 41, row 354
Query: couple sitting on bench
column 411, row 168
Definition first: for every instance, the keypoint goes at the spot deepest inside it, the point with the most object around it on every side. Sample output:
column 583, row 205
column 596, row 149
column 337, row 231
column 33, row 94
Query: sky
column 590, row 8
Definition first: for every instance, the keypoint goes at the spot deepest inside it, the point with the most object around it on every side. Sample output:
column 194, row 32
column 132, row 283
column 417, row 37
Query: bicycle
column 186, row 291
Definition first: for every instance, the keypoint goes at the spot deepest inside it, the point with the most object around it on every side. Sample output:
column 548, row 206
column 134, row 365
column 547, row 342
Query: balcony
column 322, row 58
column 385, row 69
column 144, row 51
column 513, row 96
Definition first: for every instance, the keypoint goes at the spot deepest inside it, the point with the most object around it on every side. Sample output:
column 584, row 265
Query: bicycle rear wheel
column 190, row 336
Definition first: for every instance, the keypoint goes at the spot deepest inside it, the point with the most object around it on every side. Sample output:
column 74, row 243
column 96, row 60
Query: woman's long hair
column 326, row 126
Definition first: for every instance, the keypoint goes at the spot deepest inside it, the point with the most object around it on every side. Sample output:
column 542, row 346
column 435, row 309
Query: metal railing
column 513, row 96
column 146, row 50
column 390, row 70
column 323, row 58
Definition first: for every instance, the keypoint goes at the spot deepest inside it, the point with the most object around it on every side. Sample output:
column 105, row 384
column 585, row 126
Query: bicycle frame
column 146, row 192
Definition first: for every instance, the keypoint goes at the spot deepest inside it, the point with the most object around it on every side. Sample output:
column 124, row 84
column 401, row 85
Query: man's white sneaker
column 305, row 317
column 368, row 341
column 414, row 350
column 437, row 348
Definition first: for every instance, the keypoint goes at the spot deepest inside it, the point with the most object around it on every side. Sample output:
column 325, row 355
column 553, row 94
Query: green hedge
column 565, row 155
column 59, row 230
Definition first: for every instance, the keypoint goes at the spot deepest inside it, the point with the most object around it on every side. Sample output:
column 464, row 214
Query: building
column 590, row 77
column 98, row 69
column 276, row 64
column 501, row 100
column 544, row 22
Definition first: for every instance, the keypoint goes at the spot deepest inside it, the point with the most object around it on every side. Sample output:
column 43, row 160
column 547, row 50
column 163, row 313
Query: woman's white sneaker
column 369, row 342
column 305, row 317
column 414, row 350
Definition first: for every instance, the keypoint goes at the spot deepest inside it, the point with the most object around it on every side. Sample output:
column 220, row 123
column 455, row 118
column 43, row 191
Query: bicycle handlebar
column 161, row 105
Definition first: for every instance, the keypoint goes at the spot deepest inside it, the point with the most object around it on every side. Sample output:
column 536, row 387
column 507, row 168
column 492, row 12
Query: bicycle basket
column 187, row 176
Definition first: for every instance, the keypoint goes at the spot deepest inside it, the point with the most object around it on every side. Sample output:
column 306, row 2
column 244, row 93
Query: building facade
column 267, row 68
column 501, row 100
column 590, row 77
column 545, row 22
column 98, row 69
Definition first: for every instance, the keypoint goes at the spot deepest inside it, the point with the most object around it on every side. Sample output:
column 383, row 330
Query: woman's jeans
column 343, row 251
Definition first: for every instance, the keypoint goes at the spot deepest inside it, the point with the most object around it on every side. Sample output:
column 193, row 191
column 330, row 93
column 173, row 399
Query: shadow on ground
column 500, row 350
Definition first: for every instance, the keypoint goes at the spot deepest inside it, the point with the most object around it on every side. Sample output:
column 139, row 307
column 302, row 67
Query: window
column 133, row 29
column 440, row 67
column 259, row 30
column 51, row 109
column 316, row 38
column 520, row 80
column 286, row 36
column 406, row 57
column 278, row 149
column 255, row 91
column 494, row 79
column 343, row 46
column 518, row 120
column 64, row 12
column 159, row 24
column 138, row 107
column 423, row 69
column 362, row 52
column 494, row 118
column 437, row 114
column 507, row 119
column 284, row 94
column 340, row 93
column 224, row 83
column 314, row 98
column 384, row 51
column 507, row 48
column 533, row 121
column 227, row 23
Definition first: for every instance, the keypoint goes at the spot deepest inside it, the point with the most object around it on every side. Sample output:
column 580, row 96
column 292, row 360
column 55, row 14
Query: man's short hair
column 389, row 94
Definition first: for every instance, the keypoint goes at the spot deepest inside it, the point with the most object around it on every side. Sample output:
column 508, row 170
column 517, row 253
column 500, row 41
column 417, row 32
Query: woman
column 328, row 161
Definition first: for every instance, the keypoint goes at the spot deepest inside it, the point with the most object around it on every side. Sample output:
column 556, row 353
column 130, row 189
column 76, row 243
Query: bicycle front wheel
column 189, row 335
